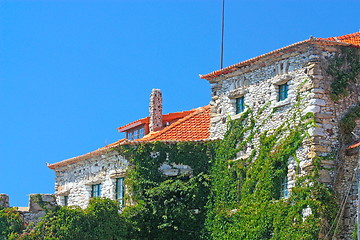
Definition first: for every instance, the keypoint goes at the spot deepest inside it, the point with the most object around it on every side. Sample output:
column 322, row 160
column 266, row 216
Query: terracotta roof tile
column 193, row 127
column 86, row 155
column 353, row 38
column 346, row 40
column 133, row 124
column 166, row 117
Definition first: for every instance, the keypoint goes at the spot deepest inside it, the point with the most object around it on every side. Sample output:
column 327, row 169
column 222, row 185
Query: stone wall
column 38, row 204
column 304, row 70
column 329, row 140
column 75, row 180
column 4, row 201
column 258, row 85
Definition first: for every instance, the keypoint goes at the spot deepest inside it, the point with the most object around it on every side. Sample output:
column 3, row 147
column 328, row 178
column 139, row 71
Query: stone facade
column 4, row 201
column 74, row 181
column 38, row 203
column 304, row 70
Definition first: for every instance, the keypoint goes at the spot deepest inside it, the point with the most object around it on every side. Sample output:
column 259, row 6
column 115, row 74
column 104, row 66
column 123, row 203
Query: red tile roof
column 346, row 40
column 97, row 152
column 166, row 118
column 353, row 38
column 193, row 127
column 133, row 124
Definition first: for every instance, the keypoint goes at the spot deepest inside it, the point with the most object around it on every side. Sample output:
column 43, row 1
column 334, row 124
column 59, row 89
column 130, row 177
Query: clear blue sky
column 71, row 72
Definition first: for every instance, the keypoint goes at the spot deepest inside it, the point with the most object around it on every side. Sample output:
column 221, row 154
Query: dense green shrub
column 10, row 222
column 168, row 207
column 100, row 220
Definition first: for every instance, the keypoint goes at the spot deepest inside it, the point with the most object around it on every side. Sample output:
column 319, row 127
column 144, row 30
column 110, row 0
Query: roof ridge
column 311, row 40
column 86, row 155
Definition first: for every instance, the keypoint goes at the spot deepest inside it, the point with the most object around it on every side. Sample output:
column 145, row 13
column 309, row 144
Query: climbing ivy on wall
column 344, row 68
column 167, row 207
column 244, row 196
column 348, row 123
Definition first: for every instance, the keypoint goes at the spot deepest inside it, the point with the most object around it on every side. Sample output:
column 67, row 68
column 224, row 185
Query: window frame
column 66, row 200
column 120, row 190
column 283, row 90
column 239, row 104
column 135, row 133
column 96, row 190
column 284, row 190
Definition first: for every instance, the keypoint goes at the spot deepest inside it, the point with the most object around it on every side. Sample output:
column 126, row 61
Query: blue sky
column 71, row 72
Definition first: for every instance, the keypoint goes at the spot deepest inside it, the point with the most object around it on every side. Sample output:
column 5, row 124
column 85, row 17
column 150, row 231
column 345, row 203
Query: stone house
column 102, row 172
column 297, row 79
column 280, row 87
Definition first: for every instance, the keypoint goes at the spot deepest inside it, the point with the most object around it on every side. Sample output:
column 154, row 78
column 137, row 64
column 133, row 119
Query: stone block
column 307, row 86
column 318, row 148
column 318, row 102
column 318, row 90
column 324, row 176
column 311, row 155
column 316, row 132
column 312, row 109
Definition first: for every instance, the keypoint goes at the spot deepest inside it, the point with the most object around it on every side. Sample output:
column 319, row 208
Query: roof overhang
column 133, row 124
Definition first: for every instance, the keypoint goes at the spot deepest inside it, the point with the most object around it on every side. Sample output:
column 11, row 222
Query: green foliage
column 10, row 222
column 355, row 232
column 101, row 220
column 244, row 198
column 348, row 124
column 344, row 68
column 167, row 207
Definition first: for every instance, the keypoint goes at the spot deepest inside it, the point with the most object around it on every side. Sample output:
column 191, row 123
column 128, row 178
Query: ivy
column 11, row 222
column 245, row 191
column 344, row 68
column 167, row 207
column 348, row 123
column 100, row 220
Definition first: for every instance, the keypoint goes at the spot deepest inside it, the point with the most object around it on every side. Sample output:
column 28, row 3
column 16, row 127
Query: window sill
column 281, row 103
column 238, row 115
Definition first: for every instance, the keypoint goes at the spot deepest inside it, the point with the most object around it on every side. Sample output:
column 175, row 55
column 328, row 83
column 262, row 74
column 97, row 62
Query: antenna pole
column 222, row 35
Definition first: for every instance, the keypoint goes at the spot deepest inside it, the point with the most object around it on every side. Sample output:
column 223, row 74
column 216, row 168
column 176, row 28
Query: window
column 66, row 200
column 141, row 132
column 119, row 191
column 283, row 92
column 284, row 192
column 135, row 133
column 96, row 190
column 240, row 105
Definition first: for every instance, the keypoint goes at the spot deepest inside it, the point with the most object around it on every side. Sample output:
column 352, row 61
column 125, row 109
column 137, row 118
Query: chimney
column 155, row 110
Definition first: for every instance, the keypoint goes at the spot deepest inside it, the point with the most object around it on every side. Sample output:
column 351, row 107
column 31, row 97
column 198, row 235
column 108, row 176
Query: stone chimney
column 155, row 110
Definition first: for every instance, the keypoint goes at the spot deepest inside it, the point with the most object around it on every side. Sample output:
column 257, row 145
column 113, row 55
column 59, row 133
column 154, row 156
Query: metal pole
column 222, row 35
